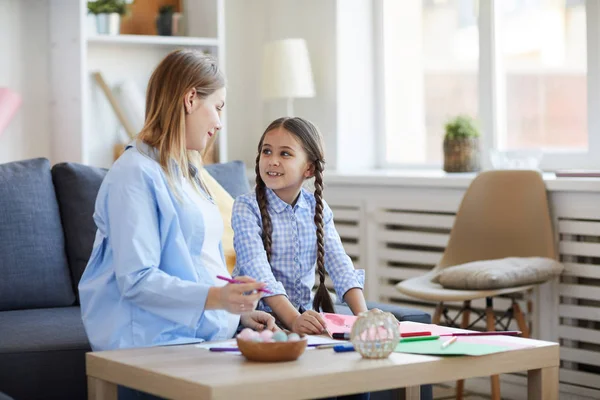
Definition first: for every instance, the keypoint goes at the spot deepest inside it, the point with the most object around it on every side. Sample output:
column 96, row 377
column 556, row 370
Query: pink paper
column 9, row 104
column 338, row 323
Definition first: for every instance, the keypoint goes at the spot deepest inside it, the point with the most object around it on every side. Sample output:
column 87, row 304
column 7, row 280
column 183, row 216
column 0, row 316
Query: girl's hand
column 259, row 320
column 310, row 322
column 238, row 298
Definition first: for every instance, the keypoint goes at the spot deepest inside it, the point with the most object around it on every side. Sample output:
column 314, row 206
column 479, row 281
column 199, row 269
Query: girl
column 282, row 230
column 151, row 278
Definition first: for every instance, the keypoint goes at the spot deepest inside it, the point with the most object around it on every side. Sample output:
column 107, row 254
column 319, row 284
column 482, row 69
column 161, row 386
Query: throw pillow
column 225, row 203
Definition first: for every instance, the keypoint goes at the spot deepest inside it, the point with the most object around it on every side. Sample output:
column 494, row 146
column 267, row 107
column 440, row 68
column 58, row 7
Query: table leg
column 101, row 390
column 542, row 384
column 412, row 393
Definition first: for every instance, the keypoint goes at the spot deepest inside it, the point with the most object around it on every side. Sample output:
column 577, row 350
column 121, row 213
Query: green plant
column 107, row 7
column 460, row 127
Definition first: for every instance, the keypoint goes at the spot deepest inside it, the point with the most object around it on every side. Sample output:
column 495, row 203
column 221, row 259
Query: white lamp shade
column 286, row 70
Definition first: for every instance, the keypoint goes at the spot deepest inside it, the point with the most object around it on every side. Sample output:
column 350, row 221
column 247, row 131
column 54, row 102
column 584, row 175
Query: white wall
column 24, row 68
column 250, row 24
column 24, row 61
column 339, row 36
column 244, row 35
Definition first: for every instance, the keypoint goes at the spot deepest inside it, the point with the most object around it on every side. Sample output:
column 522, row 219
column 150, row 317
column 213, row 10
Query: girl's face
column 202, row 118
column 283, row 164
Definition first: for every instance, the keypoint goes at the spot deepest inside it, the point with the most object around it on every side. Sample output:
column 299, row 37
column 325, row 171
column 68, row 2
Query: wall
column 24, row 62
column 24, row 68
column 250, row 24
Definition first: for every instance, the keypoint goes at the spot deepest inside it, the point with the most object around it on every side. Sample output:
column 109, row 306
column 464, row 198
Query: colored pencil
column 504, row 333
column 418, row 338
column 411, row 334
column 224, row 278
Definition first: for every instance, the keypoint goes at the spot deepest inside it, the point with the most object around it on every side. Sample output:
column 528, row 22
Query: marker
column 341, row 336
column 449, row 342
column 224, row 278
column 411, row 334
column 342, row 348
column 418, row 338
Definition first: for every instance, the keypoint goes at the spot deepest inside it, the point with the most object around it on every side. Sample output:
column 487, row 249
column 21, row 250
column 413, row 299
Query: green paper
column 434, row 348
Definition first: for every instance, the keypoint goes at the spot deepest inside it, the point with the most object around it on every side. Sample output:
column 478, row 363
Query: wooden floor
column 441, row 392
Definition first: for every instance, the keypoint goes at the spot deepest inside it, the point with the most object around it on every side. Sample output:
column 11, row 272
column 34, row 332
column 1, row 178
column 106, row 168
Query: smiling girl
column 283, row 230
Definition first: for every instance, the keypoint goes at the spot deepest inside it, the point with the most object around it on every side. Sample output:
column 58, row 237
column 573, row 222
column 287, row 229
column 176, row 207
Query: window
column 544, row 75
column 440, row 58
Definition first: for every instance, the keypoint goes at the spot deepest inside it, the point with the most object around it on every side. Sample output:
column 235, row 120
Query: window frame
column 492, row 107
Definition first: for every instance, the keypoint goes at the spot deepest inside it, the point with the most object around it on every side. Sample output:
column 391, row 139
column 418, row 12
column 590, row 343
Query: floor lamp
column 286, row 72
column 9, row 104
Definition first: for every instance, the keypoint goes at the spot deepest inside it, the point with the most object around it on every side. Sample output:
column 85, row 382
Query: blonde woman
column 151, row 278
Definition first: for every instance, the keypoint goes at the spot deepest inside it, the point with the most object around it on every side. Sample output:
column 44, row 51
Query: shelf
column 153, row 40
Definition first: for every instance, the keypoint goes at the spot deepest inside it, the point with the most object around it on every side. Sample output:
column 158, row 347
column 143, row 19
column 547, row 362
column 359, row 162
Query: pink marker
column 226, row 279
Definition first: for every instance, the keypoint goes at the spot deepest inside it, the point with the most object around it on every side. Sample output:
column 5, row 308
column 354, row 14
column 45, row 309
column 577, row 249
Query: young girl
column 282, row 230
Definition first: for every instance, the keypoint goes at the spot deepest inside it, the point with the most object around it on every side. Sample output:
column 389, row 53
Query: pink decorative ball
column 266, row 335
column 248, row 334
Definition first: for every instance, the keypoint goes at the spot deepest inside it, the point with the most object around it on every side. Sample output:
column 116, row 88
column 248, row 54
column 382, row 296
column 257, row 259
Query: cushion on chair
column 498, row 274
column 33, row 265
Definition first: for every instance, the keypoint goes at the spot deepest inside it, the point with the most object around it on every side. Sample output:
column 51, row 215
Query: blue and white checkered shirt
column 294, row 248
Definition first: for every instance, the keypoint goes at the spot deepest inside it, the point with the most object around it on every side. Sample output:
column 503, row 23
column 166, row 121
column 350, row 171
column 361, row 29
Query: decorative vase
column 375, row 334
column 108, row 24
column 164, row 24
column 461, row 155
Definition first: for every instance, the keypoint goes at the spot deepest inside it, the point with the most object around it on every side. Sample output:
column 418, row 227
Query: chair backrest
column 502, row 214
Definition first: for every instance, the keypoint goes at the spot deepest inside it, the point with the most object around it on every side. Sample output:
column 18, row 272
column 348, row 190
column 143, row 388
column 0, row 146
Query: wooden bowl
column 272, row 351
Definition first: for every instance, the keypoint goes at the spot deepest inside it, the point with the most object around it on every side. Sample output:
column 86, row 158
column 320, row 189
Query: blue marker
column 341, row 348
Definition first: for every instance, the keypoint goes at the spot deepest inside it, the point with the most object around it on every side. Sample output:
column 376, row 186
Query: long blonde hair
column 164, row 127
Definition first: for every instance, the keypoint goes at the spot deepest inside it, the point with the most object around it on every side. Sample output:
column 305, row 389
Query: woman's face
column 203, row 118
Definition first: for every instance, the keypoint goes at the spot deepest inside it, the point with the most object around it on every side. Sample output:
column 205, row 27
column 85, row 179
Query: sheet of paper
column 434, row 347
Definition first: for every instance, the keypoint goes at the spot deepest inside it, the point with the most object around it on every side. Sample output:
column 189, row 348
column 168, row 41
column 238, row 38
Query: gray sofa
column 46, row 237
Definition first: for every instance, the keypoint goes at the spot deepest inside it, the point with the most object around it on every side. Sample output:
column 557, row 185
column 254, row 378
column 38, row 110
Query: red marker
column 224, row 278
column 412, row 334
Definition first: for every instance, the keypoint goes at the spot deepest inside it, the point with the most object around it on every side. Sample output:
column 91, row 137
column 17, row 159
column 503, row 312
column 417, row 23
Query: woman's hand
column 310, row 322
column 237, row 298
column 259, row 320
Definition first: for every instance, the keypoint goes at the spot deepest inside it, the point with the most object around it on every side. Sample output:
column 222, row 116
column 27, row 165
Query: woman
column 151, row 278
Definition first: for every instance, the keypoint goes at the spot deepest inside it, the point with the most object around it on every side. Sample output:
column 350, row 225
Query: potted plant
column 461, row 145
column 108, row 15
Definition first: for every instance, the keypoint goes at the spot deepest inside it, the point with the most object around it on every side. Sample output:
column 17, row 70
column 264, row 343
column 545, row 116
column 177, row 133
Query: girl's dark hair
column 312, row 142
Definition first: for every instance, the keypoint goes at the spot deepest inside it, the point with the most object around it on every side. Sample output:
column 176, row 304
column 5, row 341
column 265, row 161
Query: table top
column 188, row 371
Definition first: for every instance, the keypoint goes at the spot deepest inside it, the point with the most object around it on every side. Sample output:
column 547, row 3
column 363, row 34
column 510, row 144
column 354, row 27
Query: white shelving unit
column 84, row 126
column 153, row 40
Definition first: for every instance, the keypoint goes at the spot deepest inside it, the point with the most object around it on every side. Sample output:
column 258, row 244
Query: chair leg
column 437, row 315
column 491, row 326
column 523, row 327
column 464, row 324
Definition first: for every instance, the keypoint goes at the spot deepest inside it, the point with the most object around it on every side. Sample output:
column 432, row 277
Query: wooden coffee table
column 189, row 372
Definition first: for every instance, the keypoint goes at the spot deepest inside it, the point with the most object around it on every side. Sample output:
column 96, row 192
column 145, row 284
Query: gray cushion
column 43, row 329
column 33, row 264
column 232, row 176
column 42, row 354
column 499, row 274
column 76, row 188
